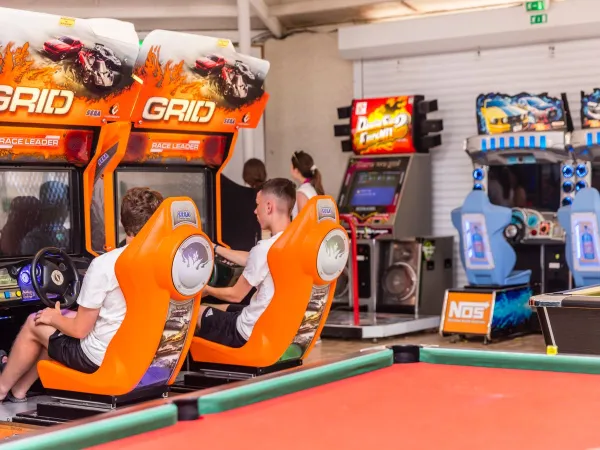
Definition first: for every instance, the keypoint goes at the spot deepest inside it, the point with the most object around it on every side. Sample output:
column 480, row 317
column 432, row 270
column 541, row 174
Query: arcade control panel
column 15, row 283
column 535, row 227
column 16, row 287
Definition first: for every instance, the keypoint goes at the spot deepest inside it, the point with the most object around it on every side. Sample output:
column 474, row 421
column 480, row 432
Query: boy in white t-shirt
column 222, row 324
column 78, row 339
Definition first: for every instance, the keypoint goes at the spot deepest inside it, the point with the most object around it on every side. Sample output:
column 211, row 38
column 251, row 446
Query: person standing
column 307, row 175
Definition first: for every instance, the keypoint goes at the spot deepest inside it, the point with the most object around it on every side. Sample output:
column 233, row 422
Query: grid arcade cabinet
column 386, row 194
column 54, row 113
column 511, row 242
column 184, row 128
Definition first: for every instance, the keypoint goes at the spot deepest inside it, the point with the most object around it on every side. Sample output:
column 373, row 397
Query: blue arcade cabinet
column 512, row 245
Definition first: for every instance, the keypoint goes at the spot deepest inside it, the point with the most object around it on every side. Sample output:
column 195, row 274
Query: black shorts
column 220, row 327
column 67, row 351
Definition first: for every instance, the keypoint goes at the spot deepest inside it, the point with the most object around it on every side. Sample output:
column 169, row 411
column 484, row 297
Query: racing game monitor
column 170, row 183
column 36, row 211
column 535, row 186
column 373, row 185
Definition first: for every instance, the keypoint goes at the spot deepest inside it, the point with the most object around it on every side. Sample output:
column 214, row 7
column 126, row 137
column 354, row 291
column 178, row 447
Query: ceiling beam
column 264, row 13
column 316, row 6
column 142, row 12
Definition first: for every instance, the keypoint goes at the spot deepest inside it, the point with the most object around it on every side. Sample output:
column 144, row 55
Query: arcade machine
column 511, row 242
column 61, row 100
column 569, row 318
column 402, row 272
column 185, row 125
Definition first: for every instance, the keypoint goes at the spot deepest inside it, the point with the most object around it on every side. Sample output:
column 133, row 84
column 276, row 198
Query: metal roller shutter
column 455, row 80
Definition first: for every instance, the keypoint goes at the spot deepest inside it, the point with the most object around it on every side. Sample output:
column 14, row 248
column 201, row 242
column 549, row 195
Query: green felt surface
column 509, row 360
column 99, row 432
column 294, row 382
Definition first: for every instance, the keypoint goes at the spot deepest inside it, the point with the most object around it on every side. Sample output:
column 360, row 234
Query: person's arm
column 233, row 294
column 301, row 200
column 78, row 327
column 96, row 285
column 238, row 257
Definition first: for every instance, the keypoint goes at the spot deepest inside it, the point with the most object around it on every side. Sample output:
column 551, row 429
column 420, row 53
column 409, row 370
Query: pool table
column 387, row 398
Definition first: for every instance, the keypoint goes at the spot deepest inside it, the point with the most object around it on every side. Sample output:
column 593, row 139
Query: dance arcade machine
column 402, row 272
column 54, row 115
column 570, row 318
column 184, row 128
column 511, row 242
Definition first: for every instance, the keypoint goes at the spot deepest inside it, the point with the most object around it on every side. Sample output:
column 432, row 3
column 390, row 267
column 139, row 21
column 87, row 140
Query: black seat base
column 207, row 375
column 67, row 405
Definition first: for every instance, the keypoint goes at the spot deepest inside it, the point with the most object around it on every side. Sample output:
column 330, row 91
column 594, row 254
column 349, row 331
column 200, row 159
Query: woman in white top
column 306, row 174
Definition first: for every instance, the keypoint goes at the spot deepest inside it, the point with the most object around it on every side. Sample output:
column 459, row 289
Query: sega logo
column 93, row 112
column 326, row 210
column 229, row 121
column 184, row 215
column 103, row 159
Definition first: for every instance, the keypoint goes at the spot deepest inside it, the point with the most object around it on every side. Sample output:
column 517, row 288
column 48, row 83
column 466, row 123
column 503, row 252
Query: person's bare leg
column 199, row 321
column 21, row 387
column 25, row 353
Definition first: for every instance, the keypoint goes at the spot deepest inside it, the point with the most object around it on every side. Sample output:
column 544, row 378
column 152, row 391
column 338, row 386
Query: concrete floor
column 330, row 348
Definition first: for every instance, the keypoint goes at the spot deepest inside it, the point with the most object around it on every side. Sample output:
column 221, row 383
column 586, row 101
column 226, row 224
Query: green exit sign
column 538, row 19
column 539, row 5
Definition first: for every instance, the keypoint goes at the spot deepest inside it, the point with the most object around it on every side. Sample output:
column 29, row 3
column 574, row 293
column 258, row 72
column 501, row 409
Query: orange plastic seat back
column 305, row 263
column 161, row 274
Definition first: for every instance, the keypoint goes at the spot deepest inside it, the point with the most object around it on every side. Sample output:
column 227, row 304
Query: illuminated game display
column 386, row 194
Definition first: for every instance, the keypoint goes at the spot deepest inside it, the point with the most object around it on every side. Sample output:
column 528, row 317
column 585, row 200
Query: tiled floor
column 329, row 348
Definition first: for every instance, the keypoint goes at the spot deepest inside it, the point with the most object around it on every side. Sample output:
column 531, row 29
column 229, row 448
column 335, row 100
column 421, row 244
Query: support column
column 245, row 44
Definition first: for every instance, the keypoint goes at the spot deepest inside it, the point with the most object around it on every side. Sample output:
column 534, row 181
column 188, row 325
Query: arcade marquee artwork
column 195, row 82
column 63, row 70
column 382, row 125
column 501, row 113
column 590, row 109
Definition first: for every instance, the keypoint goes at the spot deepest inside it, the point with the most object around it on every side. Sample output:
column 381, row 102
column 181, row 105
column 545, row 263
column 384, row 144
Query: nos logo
column 467, row 310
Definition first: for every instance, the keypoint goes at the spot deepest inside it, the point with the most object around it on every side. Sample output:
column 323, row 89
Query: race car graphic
column 540, row 109
column 95, row 71
column 63, row 47
column 109, row 56
column 501, row 117
column 209, row 64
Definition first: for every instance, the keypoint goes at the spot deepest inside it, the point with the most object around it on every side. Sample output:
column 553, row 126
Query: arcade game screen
column 169, row 184
column 374, row 188
column 35, row 211
column 535, row 186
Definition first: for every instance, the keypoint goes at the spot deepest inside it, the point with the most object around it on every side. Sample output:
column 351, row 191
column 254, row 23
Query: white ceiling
column 276, row 16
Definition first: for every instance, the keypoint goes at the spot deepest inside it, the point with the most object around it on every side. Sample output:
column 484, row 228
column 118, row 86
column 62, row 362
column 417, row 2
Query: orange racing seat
column 305, row 263
column 161, row 274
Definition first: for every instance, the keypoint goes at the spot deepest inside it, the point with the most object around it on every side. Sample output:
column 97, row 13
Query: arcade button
column 567, row 201
column 19, row 294
column 478, row 174
column 6, row 294
column 478, row 187
column 567, row 187
column 567, row 171
column 581, row 170
column 580, row 185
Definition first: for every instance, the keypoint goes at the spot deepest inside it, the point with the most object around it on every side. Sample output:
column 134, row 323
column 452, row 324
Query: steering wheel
column 59, row 276
column 515, row 231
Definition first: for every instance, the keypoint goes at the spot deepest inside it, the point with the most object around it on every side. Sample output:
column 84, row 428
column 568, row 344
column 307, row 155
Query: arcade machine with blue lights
column 570, row 319
column 398, row 272
column 511, row 242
